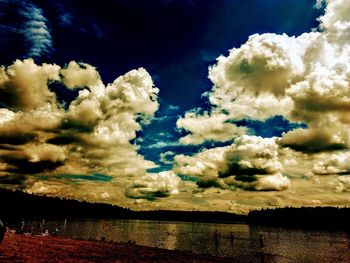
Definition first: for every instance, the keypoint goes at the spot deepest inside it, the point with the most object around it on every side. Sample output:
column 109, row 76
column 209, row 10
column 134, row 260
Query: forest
column 17, row 205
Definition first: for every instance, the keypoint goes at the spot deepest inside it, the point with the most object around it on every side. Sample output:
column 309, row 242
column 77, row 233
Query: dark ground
column 36, row 249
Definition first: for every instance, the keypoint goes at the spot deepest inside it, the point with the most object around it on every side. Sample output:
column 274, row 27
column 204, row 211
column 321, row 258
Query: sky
column 172, row 104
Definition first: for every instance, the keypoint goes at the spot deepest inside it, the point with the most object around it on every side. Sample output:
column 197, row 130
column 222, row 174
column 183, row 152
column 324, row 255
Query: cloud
column 343, row 184
column 335, row 164
column 316, row 140
column 166, row 157
column 303, row 78
column 250, row 83
column 152, row 186
column 36, row 31
column 42, row 188
column 266, row 63
column 105, row 120
column 66, row 19
column 336, row 21
column 162, row 144
column 203, row 128
column 23, row 85
column 6, row 115
column 253, row 80
column 172, row 108
column 250, row 163
column 94, row 134
column 44, row 152
column 80, row 75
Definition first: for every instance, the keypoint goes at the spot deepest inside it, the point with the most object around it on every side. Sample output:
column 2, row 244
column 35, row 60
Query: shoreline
column 36, row 249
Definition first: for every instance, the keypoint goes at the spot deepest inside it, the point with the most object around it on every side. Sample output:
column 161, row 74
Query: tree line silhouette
column 17, row 205
column 303, row 217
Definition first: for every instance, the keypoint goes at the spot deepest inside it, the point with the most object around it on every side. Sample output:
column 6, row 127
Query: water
column 237, row 241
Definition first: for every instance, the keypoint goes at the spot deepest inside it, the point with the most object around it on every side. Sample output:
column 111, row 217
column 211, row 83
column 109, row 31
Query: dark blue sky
column 175, row 40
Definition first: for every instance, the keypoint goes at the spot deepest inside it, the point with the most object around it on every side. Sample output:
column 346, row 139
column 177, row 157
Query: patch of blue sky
column 97, row 177
column 154, row 154
column 167, row 138
column 188, row 178
column 274, row 126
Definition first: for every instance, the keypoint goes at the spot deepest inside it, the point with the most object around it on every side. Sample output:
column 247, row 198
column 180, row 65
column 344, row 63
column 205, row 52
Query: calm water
column 238, row 241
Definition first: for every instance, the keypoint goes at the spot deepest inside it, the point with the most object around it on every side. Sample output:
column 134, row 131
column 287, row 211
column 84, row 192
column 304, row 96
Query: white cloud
column 154, row 185
column 266, row 63
column 207, row 128
column 42, row 188
column 338, row 163
column 250, row 163
column 316, row 139
column 319, row 3
column 44, row 152
column 23, row 85
column 303, row 78
column 36, row 31
column 167, row 157
column 336, row 21
column 5, row 116
column 107, row 119
column 343, row 184
column 38, row 136
column 272, row 182
column 80, row 75
column 172, row 108
column 162, row 144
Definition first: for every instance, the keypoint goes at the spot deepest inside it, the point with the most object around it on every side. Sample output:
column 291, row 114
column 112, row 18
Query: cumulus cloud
column 250, row 163
column 80, row 75
column 24, row 85
column 154, row 185
column 336, row 21
column 94, row 134
column 207, row 128
column 6, row 115
column 104, row 121
column 316, row 140
column 42, row 188
column 264, row 64
column 302, row 78
column 251, row 82
column 343, row 184
column 335, row 164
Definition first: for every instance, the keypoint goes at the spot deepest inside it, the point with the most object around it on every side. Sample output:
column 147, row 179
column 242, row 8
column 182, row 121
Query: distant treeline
column 17, row 205
column 302, row 217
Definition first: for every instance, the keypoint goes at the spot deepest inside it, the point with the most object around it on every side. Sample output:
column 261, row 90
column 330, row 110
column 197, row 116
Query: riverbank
column 23, row 248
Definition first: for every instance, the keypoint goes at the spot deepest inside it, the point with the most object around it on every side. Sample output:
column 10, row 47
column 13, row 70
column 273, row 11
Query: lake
column 241, row 242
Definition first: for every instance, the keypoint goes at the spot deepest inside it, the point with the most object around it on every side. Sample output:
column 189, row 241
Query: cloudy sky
column 207, row 105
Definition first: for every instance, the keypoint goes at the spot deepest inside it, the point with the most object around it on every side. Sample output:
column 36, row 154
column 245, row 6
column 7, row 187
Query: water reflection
column 241, row 242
